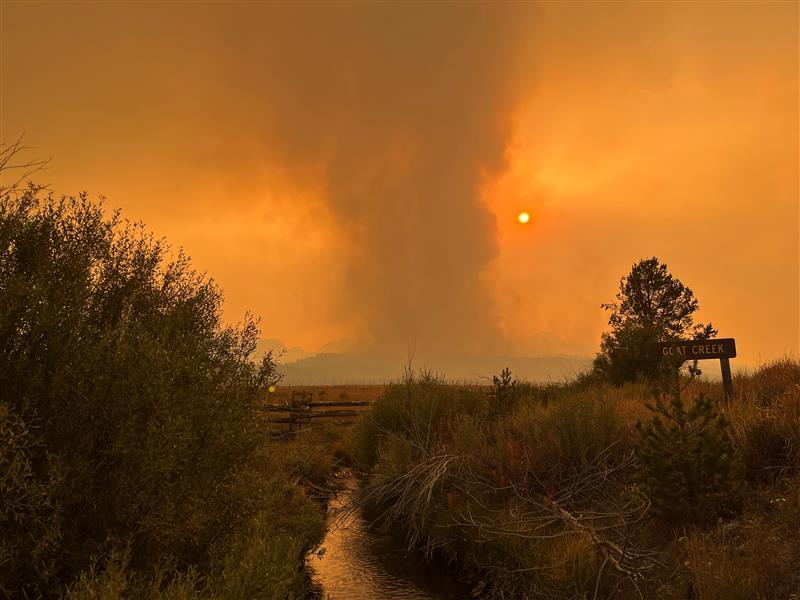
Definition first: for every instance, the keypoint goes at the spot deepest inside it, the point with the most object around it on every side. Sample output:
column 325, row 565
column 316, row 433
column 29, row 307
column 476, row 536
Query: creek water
column 358, row 563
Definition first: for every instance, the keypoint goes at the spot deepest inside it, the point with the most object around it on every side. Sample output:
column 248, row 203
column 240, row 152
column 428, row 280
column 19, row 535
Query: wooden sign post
column 724, row 350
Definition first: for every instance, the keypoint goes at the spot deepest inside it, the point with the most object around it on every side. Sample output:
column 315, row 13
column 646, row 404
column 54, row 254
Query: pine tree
column 651, row 306
column 504, row 392
column 688, row 467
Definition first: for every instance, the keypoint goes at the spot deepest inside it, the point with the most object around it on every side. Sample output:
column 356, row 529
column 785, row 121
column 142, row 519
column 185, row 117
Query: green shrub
column 109, row 580
column 262, row 559
column 258, row 560
column 128, row 411
column 689, row 468
column 564, row 436
column 29, row 505
column 312, row 453
column 420, row 408
column 505, row 393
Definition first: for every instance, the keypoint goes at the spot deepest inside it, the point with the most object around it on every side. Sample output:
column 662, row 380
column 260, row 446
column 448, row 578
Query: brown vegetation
column 540, row 496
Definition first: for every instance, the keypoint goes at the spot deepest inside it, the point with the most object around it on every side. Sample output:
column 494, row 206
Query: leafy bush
column 567, row 434
column 419, row 408
column 256, row 561
column 29, row 507
column 689, row 467
column 127, row 409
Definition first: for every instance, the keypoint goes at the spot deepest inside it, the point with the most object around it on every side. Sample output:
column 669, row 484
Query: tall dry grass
column 765, row 419
column 537, row 495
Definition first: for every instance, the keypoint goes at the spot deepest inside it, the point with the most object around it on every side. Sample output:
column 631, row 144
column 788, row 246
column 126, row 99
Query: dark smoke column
column 408, row 109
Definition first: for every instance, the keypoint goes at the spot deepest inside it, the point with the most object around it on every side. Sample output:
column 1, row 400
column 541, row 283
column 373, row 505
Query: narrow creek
column 361, row 564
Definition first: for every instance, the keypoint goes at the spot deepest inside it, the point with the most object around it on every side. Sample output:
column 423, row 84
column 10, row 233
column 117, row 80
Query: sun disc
column 523, row 217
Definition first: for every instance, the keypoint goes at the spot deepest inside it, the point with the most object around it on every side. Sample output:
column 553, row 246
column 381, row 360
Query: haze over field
column 353, row 173
column 328, row 366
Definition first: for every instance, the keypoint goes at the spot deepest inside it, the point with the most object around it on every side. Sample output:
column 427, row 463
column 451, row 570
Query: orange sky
column 352, row 173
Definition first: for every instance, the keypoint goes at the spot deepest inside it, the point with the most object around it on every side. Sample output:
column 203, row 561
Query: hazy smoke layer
column 406, row 111
column 327, row 163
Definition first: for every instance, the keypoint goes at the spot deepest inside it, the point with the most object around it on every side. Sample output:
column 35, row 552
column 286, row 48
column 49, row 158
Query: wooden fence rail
column 339, row 403
column 301, row 410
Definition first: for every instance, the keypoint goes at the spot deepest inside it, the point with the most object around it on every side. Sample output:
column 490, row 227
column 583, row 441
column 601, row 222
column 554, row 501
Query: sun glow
column 523, row 217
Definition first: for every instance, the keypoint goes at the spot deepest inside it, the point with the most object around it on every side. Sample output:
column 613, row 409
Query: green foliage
column 566, row 435
column 505, row 385
column 128, row 411
column 29, row 505
column 504, row 392
column 256, row 561
column 651, row 306
column 689, row 468
column 418, row 408
column 313, row 453
column 262, row 559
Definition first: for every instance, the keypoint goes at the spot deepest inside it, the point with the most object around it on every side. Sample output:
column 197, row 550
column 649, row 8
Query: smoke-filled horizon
column 353, row 173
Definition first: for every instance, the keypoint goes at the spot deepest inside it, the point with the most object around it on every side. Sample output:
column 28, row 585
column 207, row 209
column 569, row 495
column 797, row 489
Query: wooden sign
column 724, row 350
column 696, row 349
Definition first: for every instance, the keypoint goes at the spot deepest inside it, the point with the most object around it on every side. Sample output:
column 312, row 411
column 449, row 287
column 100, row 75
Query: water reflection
column 359, row 564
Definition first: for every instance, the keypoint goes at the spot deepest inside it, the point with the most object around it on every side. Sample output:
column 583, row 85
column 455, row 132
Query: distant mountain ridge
column 334, row 368
column 283, row 353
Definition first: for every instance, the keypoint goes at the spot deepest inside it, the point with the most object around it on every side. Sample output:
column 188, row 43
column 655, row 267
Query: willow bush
column 127, row 408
